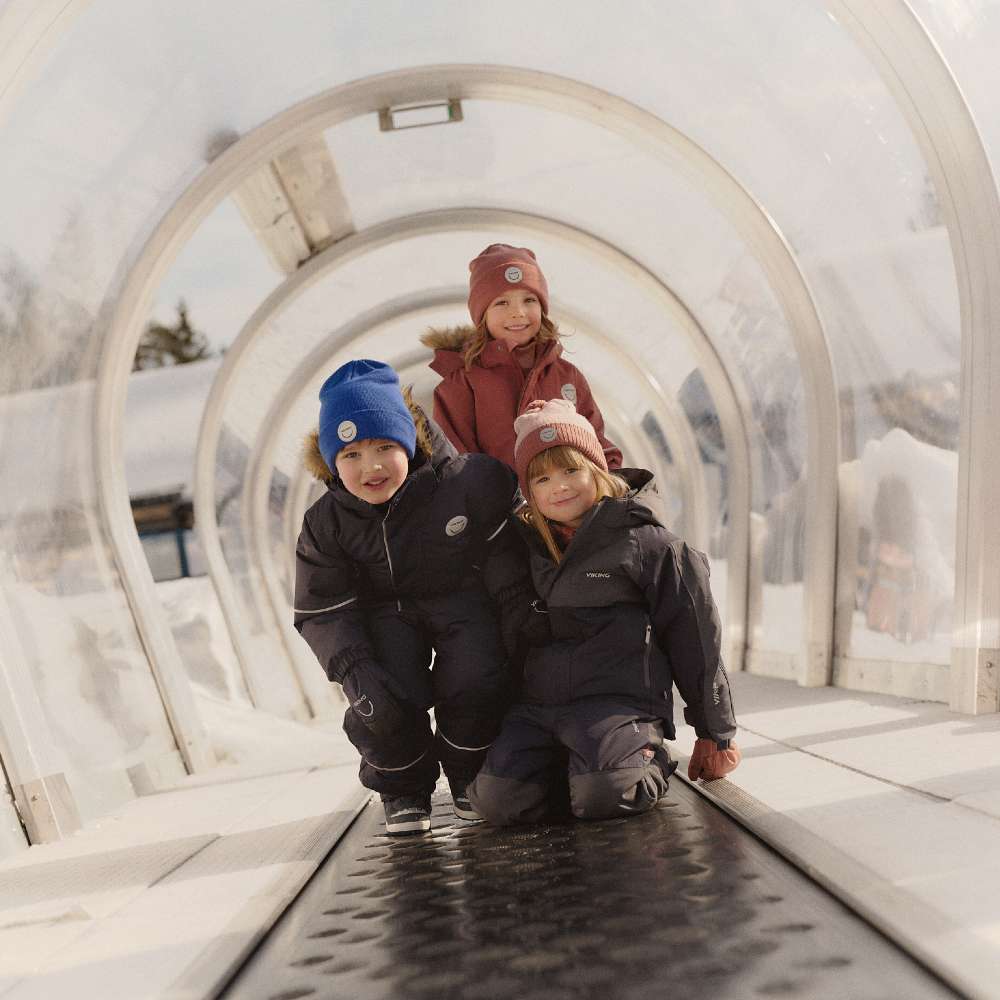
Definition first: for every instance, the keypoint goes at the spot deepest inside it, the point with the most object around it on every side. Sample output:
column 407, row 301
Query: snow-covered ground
column 241, row 736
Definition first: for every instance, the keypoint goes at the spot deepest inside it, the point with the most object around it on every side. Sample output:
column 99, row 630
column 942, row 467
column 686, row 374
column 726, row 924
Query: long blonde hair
column 564, row 456
column 475, row 345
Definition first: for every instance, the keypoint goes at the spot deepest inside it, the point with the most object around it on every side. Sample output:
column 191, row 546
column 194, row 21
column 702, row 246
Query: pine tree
column 180, row 344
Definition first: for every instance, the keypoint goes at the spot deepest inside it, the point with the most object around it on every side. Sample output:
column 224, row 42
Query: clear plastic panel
column 967, row 32
column 221, row 275
column 162, row 418
column 811, row 132
column 76, row 650
column 352, row 289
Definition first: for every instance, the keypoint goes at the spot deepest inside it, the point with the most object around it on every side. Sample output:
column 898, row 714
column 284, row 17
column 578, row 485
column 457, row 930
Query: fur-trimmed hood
column 448, row 338
column 448, row 344
column 431, row 444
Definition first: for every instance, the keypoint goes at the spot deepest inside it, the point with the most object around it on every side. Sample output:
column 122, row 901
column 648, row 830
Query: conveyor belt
column 678, row 903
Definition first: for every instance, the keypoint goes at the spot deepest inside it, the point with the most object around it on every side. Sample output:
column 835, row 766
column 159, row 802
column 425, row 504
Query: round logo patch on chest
column 456, row 525
column 513, row 274
column 347, row 430
column 568, row 391
column 547, row 434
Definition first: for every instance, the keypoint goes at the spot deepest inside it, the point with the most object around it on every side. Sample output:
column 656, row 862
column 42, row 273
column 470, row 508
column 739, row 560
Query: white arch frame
column 431, row 83
column 913, row 69
column 731, row 402
column 257, row 477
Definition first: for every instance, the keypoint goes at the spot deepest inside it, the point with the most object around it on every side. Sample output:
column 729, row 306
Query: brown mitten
column 708, row 762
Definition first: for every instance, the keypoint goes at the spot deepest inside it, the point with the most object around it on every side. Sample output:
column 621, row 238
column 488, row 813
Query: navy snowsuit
column 631, row 614
column 437, row 572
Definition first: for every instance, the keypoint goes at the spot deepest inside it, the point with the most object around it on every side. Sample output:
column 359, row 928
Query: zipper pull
column 649, row 628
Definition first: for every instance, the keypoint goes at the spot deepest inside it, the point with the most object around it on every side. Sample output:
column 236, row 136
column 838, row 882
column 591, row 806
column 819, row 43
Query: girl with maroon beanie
column 627, row 614
column 511, row 355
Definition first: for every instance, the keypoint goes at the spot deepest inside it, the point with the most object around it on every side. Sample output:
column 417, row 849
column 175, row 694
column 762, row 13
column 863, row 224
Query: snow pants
column 614, row 760
column 468, row 687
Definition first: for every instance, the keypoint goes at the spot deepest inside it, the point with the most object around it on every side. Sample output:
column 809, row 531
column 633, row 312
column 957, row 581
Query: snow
column 246, row 738
column 160, row 433
column 242, row 736
column 162, row 417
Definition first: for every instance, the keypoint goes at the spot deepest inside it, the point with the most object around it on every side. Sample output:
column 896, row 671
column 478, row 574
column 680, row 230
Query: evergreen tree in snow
column 179, row 344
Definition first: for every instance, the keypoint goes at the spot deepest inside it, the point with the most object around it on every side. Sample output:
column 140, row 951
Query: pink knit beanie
column 547, row 425
column 498, row 269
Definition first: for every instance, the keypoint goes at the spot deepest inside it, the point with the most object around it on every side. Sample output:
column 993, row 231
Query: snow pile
column 242, row 736
column 931, row 476
column 162, row 417
column 246, row 738
column 202, row 639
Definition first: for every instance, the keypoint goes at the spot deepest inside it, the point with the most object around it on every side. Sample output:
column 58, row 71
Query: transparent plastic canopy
column 739, row 225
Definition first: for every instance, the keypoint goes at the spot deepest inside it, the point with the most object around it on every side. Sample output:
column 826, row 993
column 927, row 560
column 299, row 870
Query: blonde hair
column 475, row 345
column 564, row 456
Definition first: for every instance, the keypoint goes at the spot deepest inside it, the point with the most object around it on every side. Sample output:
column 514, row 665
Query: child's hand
column 708, row 762
column 535, row 404
column 372, row 699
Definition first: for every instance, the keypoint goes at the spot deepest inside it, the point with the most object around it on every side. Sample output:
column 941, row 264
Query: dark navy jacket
column 631, row 614
column 445, row 532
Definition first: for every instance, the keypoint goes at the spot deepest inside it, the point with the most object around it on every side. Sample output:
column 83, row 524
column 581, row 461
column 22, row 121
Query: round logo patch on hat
column 456, row 525
column 347, row 430
column 568, row 391
column 513, row 274
column 547, row 434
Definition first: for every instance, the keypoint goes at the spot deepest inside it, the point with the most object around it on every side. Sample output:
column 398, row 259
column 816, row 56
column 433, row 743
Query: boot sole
column 408, row 826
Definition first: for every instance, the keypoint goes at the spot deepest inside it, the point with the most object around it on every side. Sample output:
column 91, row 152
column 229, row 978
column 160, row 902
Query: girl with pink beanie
column 511, row 355
column 627, row 614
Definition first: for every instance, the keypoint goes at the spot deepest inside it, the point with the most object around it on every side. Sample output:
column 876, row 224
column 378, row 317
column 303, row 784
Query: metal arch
column 730, row 402
column 297, row 498
column 679, row 433
column 470, row 82
column 257, row 477
column 918, row 77
column 298, row 503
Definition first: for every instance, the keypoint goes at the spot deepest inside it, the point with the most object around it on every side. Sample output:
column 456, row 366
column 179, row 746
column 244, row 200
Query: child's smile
column 564, row 495
column 372, row 469
column 514, row 317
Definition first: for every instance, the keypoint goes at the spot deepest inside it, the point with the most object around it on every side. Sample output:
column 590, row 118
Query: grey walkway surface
column 894, row 805
column 678, row 902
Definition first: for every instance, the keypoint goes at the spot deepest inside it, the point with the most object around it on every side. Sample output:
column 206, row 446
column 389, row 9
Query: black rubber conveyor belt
column 678, row 903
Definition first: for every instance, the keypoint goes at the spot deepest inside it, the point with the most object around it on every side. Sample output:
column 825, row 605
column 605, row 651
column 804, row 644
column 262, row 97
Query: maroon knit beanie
column 547, row 425
column 498, row 269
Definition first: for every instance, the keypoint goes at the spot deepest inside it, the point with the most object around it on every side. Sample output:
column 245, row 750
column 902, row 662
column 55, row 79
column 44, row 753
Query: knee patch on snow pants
column 621, row 792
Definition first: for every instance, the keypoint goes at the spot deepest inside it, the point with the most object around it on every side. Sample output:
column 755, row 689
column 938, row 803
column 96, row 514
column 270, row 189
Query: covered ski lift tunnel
column 771, row 228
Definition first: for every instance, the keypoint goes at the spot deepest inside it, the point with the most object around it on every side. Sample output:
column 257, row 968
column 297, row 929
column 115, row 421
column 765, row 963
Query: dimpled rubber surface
column 677, row 902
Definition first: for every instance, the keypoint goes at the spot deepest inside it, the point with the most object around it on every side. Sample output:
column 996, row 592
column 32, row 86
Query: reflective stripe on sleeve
column 319, row 611
column 403, row 768
column 457, row 747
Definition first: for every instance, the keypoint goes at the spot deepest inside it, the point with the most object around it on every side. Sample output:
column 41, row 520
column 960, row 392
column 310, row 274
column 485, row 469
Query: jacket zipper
column 385, row 543
column 529, row 389
column 645, row 658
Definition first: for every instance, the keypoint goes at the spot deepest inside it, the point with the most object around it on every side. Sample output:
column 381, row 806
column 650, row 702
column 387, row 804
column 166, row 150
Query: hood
column 641, row 505
column 448, row 338
column 448, row 344
column 432, row 445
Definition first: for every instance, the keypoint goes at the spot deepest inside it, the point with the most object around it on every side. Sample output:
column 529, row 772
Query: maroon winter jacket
column 476, row 408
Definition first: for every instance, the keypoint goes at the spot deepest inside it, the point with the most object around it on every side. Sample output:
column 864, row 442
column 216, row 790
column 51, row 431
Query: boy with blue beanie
column 403, row 560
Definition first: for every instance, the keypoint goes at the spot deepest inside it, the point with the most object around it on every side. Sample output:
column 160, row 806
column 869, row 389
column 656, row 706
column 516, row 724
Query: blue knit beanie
column 362, row 400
